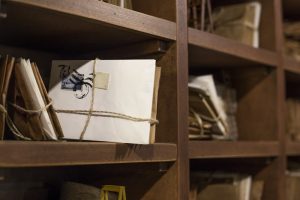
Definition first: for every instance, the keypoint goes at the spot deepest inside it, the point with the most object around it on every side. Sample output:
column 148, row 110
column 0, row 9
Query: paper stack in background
column 238, row 22
column 212, row 115
column 126, row 88
column 30, row 114
column 221, row 185
column 292, row 39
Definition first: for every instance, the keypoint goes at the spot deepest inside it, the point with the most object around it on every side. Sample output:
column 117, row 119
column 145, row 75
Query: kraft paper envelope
column 123, row 86
column 239, row 22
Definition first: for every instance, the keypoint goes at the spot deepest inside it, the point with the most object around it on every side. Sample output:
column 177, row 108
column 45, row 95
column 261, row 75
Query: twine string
column 32, row 112
column 11, row 125
column 88, row 119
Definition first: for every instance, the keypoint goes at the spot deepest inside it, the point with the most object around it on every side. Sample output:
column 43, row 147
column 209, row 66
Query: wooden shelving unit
column 37, row 154
column 230, row 53
column 239, row 149
column 73, row 29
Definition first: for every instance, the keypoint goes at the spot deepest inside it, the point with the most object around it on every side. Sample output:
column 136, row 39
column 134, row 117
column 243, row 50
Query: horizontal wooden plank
column 84, row 25
column 207, row 49
column 33, row 154
column 232, row 149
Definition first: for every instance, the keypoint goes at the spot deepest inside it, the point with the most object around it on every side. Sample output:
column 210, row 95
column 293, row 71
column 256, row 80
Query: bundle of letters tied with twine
column 29, row 113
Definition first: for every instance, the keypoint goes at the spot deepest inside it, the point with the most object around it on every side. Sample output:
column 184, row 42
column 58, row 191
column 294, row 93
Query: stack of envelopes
column 212, row 112
column 30, row 109
column 117, row 104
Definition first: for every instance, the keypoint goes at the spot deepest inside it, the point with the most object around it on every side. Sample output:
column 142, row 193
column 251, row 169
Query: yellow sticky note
column 101, row 80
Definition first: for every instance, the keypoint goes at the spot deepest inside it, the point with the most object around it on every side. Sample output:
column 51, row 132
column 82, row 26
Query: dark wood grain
column 182, row 99
column 232, row 149
column 257, row 104
column 281, row 162
column 211, row 50
column 25, row 154
column 78, row 26
column 291, row 9
column 163, row 9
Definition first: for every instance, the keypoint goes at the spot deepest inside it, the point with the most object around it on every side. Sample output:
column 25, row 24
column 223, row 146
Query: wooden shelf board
column 291, row 65
column 293, row 148
column 231, row 149
column 68, row 25
column 34, row 154
column 207, row 49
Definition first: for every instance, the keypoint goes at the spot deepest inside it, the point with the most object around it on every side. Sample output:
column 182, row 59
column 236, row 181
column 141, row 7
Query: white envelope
column 129, row 91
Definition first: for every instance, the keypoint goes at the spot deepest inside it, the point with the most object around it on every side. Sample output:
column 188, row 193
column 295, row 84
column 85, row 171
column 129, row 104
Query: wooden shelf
column 232, row 149
column 293, row 148
column 291, row 65
column 34, row 154
column 68, row 25
column 207, row 49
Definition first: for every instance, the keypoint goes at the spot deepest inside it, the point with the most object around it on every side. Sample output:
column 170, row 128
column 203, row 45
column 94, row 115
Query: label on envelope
column 101, row 80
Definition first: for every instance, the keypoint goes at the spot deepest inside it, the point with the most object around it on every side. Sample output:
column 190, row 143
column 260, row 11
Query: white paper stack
column 121, row 86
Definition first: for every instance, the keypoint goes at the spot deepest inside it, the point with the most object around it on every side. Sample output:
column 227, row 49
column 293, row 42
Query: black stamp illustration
column 71, row 79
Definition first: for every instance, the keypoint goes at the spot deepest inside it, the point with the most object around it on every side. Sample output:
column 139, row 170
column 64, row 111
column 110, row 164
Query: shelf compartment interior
column 68, row 26
column 266, row 32
column 261, row 169
column 142, row 181
column 256, row 99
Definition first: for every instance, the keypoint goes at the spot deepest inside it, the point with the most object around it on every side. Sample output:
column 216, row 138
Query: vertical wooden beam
column 282, row 161
column 182, row 99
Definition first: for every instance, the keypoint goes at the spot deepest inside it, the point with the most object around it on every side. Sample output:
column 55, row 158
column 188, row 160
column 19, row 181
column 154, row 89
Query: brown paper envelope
column 7, row 77
column 3, row 65
column 154, row 103
column 24, row 100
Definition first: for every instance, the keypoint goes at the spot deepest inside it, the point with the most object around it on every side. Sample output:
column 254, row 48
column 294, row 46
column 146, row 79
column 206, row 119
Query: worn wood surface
column 24, row 154
column 77, row 26
column 208, row 49
column 227, row 149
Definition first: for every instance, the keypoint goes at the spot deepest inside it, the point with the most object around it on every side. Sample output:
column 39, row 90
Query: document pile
column 29, row 113
column 212, row 114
